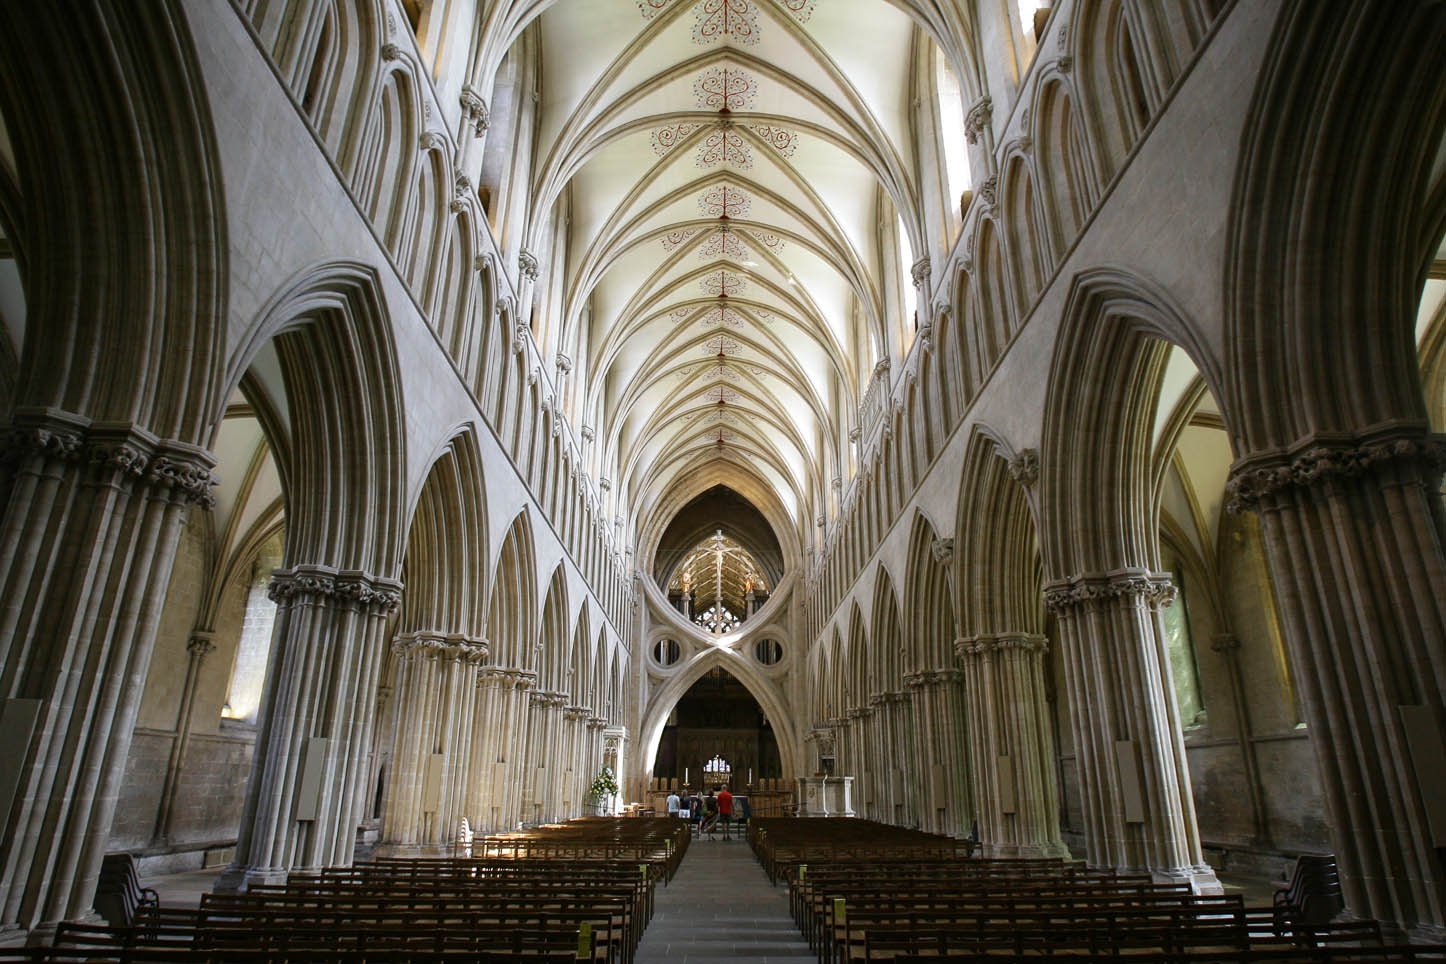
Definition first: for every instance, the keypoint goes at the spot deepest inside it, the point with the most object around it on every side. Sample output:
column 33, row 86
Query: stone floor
column 720, row 907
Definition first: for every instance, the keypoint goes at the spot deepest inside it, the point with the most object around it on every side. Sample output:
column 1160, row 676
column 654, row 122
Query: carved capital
column 527, row 264
column 989, row 190
column 1139, row 587
column 564, row 364
column 323, row 585
column 1261, row 481
column 431, row 141
column 920, row 272
column 391, row 52
column 475, row 109
column 977, row 119
column 201, row 644
column 1024, row 467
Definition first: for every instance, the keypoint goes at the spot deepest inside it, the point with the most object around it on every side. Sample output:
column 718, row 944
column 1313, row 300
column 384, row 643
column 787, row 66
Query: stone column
column 516, row 746
column 1355, row 534
column 1135, row 784
column 92, row 517
column 482, row 785
column 435, row 681
column 1011, row 746
column 317, row 723
column 200, row 646
column 474, row 121
column 944, row 762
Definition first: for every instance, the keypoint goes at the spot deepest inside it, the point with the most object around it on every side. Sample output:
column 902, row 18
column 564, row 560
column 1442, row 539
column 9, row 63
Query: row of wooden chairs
column 861, row 891
column 582, row 891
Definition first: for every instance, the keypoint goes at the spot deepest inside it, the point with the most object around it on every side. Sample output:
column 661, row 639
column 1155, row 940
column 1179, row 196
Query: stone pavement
column 720, row 907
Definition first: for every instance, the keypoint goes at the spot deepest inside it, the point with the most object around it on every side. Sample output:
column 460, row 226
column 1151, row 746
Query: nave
column 1029, row 410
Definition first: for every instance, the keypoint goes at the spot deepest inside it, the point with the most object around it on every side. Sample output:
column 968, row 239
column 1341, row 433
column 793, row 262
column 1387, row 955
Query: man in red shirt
column 725, row 811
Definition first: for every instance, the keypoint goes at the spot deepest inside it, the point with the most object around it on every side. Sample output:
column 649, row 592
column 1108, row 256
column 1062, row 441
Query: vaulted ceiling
column 737, row 186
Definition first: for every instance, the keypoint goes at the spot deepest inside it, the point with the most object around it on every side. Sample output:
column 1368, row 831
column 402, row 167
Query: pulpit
column 826, row 797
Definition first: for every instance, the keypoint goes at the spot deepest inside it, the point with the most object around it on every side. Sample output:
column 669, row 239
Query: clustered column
column 946, row 804
column 1010, row 748
column 92, row 518
column 308, row 786
column 1134, row 780
column 1355, row 533
column 436, row 681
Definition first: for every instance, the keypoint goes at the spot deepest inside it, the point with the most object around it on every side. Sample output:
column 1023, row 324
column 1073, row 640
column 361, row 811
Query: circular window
column 667, row 652
column 768, row 651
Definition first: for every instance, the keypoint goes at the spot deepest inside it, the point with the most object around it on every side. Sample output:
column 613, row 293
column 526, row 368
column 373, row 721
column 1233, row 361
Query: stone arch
column 388, row 153
column 552, row 640
column 1000, row 579
column 510, row 611
column 1028, row 249
column 1334, row 449
column 447, row 544
column 1067, row 186
column 134, row 145
column 1100, row 545
column 661, row 704
column 437, row 650
column 1099, row 410
column 929, row 598
column 333, row 337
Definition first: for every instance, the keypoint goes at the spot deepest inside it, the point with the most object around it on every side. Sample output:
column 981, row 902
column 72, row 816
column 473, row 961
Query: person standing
column 674, row 804
column 725, row 811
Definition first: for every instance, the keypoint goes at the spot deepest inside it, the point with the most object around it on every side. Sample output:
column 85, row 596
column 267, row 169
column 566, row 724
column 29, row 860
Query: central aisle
column 720, row 908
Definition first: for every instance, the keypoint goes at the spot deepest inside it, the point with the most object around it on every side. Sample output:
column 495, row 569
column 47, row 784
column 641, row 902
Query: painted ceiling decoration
column 739, row 180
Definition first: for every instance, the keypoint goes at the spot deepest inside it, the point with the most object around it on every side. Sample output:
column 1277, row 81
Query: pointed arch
column 999, row 570
column 346, row 455
column 661, row 704
column 512, row 607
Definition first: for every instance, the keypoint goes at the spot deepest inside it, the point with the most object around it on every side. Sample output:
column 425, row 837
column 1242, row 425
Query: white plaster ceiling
column 726, row 168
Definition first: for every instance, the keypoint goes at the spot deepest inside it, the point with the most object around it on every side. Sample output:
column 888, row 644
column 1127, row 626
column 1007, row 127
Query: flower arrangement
column 604, row 784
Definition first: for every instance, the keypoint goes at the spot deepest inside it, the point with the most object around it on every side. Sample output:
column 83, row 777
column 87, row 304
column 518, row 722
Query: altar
column 826, row 797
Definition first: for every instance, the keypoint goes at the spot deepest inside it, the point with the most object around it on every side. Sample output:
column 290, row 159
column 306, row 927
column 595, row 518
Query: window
column 952, row 142
column 717, row 620
column 768, row 651
column 253, row 650
column 666, row 652
column 1181, row 651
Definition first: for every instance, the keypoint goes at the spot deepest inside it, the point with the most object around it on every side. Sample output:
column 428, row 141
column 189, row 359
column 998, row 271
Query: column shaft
column 1354, row 533
column 92, row 518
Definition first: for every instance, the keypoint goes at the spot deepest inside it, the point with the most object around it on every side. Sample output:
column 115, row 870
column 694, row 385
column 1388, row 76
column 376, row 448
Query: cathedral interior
column 1029, row 409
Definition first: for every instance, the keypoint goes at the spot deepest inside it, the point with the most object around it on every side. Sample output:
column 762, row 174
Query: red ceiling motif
column 801, row 9
column 651, row 8
column 721, row 345
column 681, row 236
column 721, row 370
column 725, row 145
column 724, row 201
column 719, row 435
column 723, row 284
column 678, row 314
column 667, row 138
column 725, row 89
column 781, row 139
column 769, row 240
column 721, row 394
column 735, row 21
column 721, row 315
column 723, row 244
